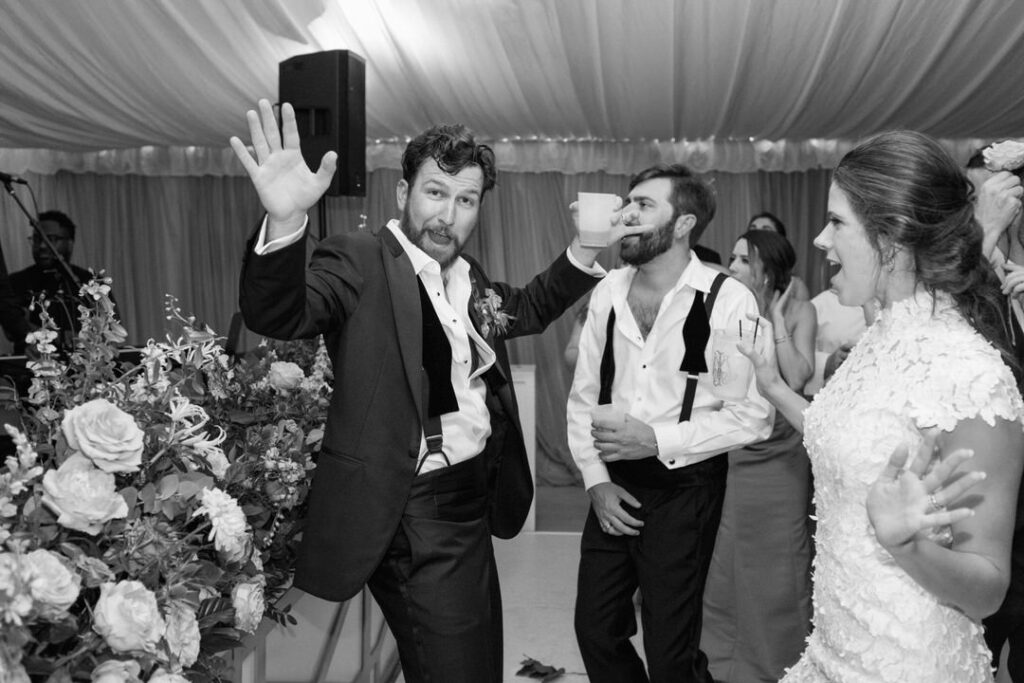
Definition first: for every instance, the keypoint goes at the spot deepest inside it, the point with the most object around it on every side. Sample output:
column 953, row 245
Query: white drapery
column 573, row 86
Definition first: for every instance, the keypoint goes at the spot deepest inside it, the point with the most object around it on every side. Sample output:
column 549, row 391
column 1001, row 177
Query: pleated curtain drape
column 184, row 236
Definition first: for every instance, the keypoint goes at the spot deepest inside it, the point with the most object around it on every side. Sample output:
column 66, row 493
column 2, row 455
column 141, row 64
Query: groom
column 423, row 456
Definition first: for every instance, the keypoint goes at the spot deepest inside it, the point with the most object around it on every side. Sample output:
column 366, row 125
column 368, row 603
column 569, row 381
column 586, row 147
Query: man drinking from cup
column 655, row 468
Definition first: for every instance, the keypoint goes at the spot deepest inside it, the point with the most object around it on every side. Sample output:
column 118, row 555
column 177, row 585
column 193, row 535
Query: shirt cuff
column 594, row 474
column 263, row 247
column 670, row 444
column 597, row 270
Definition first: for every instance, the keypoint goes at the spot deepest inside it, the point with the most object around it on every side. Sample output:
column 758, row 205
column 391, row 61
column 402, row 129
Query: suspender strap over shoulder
column 696, row 333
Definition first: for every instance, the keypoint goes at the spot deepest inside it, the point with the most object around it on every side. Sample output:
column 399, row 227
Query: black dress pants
column 669, row 562
column 437, row 584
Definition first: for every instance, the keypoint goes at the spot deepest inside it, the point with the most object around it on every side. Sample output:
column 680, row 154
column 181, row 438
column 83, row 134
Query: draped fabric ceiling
column 119, row 112
column 157, row 87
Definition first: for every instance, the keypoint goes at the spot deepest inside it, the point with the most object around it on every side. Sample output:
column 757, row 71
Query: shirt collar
column 421, row 261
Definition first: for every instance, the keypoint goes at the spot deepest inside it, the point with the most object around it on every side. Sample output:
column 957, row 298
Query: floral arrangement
column 492, row 318
column 148, row 509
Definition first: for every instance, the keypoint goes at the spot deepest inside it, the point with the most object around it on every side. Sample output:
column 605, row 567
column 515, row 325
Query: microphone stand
column 38, row 232
column 64, row 266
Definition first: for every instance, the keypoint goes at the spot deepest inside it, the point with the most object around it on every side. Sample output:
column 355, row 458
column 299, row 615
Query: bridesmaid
column 757, row 603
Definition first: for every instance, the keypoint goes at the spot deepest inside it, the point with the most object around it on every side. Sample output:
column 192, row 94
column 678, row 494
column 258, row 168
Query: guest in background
column 766, row 220
column 757, row 603
column 839, row 328
column 655, row 474
column 996, row 174
column 47, row 276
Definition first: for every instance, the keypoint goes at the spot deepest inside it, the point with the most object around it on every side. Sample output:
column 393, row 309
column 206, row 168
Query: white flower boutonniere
column 492, row 318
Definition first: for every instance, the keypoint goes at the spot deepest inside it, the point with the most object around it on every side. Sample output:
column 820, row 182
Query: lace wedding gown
column 917, row 366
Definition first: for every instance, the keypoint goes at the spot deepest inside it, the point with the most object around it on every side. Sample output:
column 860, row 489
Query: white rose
column 161, row 675
column 230, row 530
column 247, row 598
column 53, row 586
column 182, row 634
column 105, row 434
column 83, row 496
column 117, row 671
column 127, row 617
column 285, row 376
column 1007, row 155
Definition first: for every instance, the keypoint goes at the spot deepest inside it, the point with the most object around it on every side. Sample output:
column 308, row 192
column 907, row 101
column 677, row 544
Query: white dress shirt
column 464, row 431
column 648, row 380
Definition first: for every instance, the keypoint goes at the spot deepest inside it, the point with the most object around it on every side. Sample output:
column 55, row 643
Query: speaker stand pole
column 321, row 217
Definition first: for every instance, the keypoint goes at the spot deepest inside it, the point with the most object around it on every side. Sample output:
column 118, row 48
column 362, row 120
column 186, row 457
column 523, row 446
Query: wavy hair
column 910, row 194
column 773, row 254
column 454, row 148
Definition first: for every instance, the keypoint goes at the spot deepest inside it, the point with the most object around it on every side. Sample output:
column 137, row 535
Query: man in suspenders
column 656, row 478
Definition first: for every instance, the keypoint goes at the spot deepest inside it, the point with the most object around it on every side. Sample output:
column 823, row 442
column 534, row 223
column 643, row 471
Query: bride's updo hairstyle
column 910, row 194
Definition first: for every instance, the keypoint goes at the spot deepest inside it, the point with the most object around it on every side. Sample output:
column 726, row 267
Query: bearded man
column 423, row 456
column 656, row 468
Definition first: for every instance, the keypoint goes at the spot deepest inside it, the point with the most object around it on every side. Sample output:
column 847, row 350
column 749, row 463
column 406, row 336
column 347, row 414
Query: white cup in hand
column 596, row 210
column 608, row 416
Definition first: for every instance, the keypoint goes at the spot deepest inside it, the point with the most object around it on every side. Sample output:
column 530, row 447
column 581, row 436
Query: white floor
column 538, row 586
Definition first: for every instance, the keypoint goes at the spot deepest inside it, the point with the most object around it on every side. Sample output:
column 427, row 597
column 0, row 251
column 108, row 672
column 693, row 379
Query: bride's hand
column 905, row 502
column 767, row 374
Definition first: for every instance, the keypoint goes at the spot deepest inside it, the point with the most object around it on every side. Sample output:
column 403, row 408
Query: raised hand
column 777, row 308
column 617, row 218
column 283, row 181
column 1013, row 285
column 908, row 500
column 997, row 205
column 767, row 374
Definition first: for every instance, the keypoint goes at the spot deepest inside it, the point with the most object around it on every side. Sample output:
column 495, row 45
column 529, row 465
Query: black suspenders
column 696, row 333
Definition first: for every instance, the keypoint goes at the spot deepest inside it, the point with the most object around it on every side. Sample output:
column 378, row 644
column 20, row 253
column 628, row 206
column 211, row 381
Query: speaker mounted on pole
column 328, row 92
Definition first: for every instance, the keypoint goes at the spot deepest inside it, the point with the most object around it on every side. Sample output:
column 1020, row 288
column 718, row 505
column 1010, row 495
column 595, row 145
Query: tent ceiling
column 608, row 77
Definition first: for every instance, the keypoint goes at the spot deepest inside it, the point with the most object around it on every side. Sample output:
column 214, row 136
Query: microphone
column 7, row 179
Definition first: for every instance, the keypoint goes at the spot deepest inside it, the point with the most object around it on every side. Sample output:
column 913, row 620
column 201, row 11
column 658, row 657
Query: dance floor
column 538, row 585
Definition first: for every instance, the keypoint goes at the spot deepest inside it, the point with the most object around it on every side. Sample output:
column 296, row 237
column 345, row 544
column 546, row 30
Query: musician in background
column 47, row 276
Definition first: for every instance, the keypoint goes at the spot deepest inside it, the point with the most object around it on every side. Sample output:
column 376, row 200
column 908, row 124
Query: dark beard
column 421, row 240
column 648, row 245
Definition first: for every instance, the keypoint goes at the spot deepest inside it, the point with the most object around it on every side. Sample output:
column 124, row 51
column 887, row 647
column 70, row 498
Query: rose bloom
column 105, row 434
column 127, row 617
column 1007, row 155
column 53, row 586
column 161, row 675
column 84, row 497
column 285, row 376
column 182, row 634
column 229, row 533
column 247, row 597
column 117, row 671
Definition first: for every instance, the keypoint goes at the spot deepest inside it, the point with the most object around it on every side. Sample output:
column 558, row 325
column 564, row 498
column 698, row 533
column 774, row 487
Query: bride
column 924, row 414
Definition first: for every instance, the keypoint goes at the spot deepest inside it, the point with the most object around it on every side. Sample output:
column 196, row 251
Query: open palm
column 283, row 181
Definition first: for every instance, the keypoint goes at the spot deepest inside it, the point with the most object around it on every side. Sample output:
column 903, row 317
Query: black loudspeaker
column 328, row 92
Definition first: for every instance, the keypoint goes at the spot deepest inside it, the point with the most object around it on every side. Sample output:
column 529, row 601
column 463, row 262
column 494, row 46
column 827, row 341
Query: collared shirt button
column 671, row 462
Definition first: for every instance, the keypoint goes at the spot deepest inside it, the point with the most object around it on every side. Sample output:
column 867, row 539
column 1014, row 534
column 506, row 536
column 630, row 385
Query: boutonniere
column 492, row 318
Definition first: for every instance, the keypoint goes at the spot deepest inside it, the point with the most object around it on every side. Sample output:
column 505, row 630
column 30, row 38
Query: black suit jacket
column 361, row 292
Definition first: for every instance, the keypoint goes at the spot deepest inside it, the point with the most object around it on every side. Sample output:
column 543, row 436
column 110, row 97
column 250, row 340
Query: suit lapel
column 405, row 306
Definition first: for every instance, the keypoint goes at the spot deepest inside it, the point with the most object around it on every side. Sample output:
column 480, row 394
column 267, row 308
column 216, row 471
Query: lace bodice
column 919, row 365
